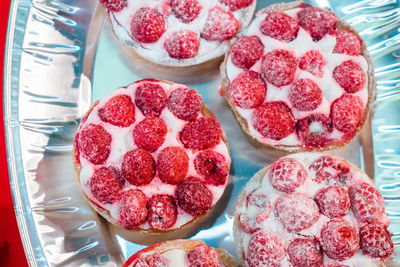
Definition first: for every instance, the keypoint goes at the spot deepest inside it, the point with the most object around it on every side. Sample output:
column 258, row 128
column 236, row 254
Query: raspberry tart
column 311, row 209
column 299, row 79
column 181, row 253
column 152, row 159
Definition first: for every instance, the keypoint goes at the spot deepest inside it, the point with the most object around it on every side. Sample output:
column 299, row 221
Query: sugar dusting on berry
column 237, row 4
column 185, row 103
column 333, row 201
column 317, row 22
column 186, row 10
column 366, row 202
column 305, row 95
column 350, row 76
column 331, row 171
column 203, row 256
column 132, row 211
column 247, row 90
column 172, row 164
column 147, row 25
column 279, row 67
column 114, row 5
column 150, row 98
column 150, row 133
column 346, row 113
column 138, row 167
column 280, row 26
column 212, row 167
column 313, row 62
column 305, row 252
column 246, row 51
column 182, row 44
column 220, row 25
column 287, row 174
column 95, row 143
column 376, row 241
column 162, row 211
column 202, row 133
column 314, row 130
column 347, row 43
column 105, row 184
column 119, row 111
column 193, row 196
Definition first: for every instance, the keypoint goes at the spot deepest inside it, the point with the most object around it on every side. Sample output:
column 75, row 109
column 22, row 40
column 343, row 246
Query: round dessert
column 178, row 32
column 181, row 253
column 299, row 79
column 151, row 158
column 311, row 209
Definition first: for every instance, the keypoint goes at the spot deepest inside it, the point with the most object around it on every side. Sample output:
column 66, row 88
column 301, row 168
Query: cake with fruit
column 181, row 253
column 178, row 33
column 311, row 209
column 299, row 79
column 152, row 159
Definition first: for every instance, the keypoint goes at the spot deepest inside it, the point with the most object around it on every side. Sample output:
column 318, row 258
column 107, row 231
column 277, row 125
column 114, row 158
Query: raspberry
column 350, row 76
column 95, row 143
column 150, row 133
column 186, row 10
column 258, row 200
column 132, row 209
column 313, row 62
column 334, row 264
column 246, row 51
column 119, row 111
column 339, row 240
column 305, row 252
column 279, row 67
column 154, row 260
column 296, row 211
column 331, row 171
column 280, row 26
column 162, row 211
column 236, row 4
column 138, row 167
column 317, row 22
column 182, row 44
column 114, row 5
column 247, row 90
column 333, row 201
column 347, row 43
column 314, row 130
column 201, row 134
column 172, row 164
column 105, row 184
column 346, row 113
column 273, row 120
column 366, row 202
column 203, row 256
column 147, row 25
column 265, row 249
column 248, row 224
column 193, row 196
column 376, row 241
column 150, row 98
column 286, row 174
column 185, row 103
column 212, row 166
column 220, row 25
column 305, row 95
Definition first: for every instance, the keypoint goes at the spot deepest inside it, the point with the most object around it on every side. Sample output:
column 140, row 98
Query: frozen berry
column 333, row 201
column 147, row 25
column 273, row 120
column 287, row 174
column 150, row 98
column 305, row 252
column 186, row 10
column 313, row 62
column 366, row 202
column 119, row 111
column 193, row 196
column 280, row 26
column 138, row 167
column 203, row 256
column 376, row 241
column 153, row 260
column 331, row 171
column 305, row 95
column 236, row 4
column 346, row 113
column 314, row 130
column 246, row 51
column 350, row 76
column 220, row 25
column 296, row 211
column 248, row 224
column 334, row 264
column 212, row 166
column 185, row 103
column 347, row 43
column 265, row 249
column 247, row 90
column 162, row 211
column 95, row 143
column 201, row 134
column 259, row 200
column 172, row 164
column 279, row 67
column 150, row 133
column 132, row 208
column 114, row 5
column 317, row 22
column 182, row 44
column 339, row 240
column 105, row 184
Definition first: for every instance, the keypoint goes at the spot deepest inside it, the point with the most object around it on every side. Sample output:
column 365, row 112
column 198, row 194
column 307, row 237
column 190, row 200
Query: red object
column 11, row 251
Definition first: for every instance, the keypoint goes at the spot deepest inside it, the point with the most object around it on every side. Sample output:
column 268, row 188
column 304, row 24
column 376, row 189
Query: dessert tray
column 61, row 56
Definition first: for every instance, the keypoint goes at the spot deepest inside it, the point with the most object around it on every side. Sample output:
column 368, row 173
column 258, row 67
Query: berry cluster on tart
column 299, row 79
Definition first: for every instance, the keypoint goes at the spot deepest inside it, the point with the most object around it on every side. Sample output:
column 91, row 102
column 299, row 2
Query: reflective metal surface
column 61, row 56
